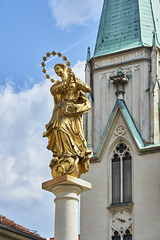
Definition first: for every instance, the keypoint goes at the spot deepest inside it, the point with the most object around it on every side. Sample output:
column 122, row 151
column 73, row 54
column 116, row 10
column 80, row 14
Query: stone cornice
column 108, row 61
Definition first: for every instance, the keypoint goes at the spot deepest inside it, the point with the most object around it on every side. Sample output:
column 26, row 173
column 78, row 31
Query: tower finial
column 88, row 54
column 154, row 38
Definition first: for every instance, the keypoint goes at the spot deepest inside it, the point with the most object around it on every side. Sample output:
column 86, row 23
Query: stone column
column 66, row 189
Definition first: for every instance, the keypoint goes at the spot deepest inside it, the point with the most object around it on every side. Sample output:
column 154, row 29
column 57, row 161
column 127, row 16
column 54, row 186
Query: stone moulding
column 109, row 61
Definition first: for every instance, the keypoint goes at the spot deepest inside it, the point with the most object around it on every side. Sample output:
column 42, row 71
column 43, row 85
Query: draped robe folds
column 64, row 131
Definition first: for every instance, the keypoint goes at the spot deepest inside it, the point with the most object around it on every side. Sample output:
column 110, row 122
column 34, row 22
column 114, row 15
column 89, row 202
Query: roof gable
column 121, row 109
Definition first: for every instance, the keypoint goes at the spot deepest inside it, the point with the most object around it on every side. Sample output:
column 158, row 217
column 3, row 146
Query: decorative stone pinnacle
column 154, row 38
column 88, row 54
column 119, row 81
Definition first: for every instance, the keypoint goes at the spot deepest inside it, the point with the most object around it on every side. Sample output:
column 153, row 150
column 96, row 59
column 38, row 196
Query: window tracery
column 121, row 161
column 121, row 174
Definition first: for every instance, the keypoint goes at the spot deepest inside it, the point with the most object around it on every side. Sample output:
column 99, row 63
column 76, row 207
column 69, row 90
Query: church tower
column 123, row 126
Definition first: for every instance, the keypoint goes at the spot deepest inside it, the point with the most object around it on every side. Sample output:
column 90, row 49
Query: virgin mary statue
column 64, row 130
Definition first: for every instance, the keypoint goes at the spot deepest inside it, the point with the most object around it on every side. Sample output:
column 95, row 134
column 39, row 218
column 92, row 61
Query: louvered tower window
column 121, row 174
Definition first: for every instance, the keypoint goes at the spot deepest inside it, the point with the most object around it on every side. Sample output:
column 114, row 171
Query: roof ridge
column 142, row 43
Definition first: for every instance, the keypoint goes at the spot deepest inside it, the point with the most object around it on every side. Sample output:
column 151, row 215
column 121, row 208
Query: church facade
column 122, row 128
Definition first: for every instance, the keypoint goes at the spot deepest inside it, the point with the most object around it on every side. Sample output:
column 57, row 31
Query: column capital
column 66, row 180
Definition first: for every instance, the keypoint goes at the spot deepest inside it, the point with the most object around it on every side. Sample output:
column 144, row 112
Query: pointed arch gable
column 120, row 109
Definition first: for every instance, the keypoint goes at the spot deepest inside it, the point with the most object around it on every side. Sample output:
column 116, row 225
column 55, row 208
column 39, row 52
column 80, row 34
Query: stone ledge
column 120, row 204
column 66, row 180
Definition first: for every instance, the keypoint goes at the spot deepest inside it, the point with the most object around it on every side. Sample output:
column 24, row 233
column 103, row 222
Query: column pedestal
column 66, row 189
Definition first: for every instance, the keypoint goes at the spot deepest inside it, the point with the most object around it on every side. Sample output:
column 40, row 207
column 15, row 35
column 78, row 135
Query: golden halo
column 48, row 55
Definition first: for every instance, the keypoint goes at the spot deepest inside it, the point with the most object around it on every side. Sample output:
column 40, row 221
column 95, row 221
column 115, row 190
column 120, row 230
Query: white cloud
column 78, row 69
column 69, row 13
column 24, row 158
column 22, row 149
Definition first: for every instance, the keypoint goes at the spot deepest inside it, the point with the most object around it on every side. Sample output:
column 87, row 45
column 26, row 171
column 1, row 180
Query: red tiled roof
column 9, row 223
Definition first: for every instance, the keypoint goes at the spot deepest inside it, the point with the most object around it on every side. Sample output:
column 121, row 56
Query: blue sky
column 29, row 29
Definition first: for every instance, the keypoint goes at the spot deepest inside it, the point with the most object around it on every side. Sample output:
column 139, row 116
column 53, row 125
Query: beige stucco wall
column 3, row 237
column 95, row 217
column 136, row 64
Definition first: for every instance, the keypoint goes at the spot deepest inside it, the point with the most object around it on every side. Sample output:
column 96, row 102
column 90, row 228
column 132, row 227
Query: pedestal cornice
column 66, row 180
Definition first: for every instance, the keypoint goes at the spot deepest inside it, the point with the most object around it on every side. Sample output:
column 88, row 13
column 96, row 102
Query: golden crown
column 48, row 55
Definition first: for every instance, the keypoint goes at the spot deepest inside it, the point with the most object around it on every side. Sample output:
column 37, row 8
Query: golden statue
column 64, row 130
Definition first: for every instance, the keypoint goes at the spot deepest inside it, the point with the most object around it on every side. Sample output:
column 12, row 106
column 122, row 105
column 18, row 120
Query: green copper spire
column 127, row 24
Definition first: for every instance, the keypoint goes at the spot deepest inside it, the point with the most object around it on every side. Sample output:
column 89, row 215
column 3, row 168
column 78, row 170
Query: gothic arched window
column 127, row 236
column 121, row 174
column 122, row 235
column 116, row 236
